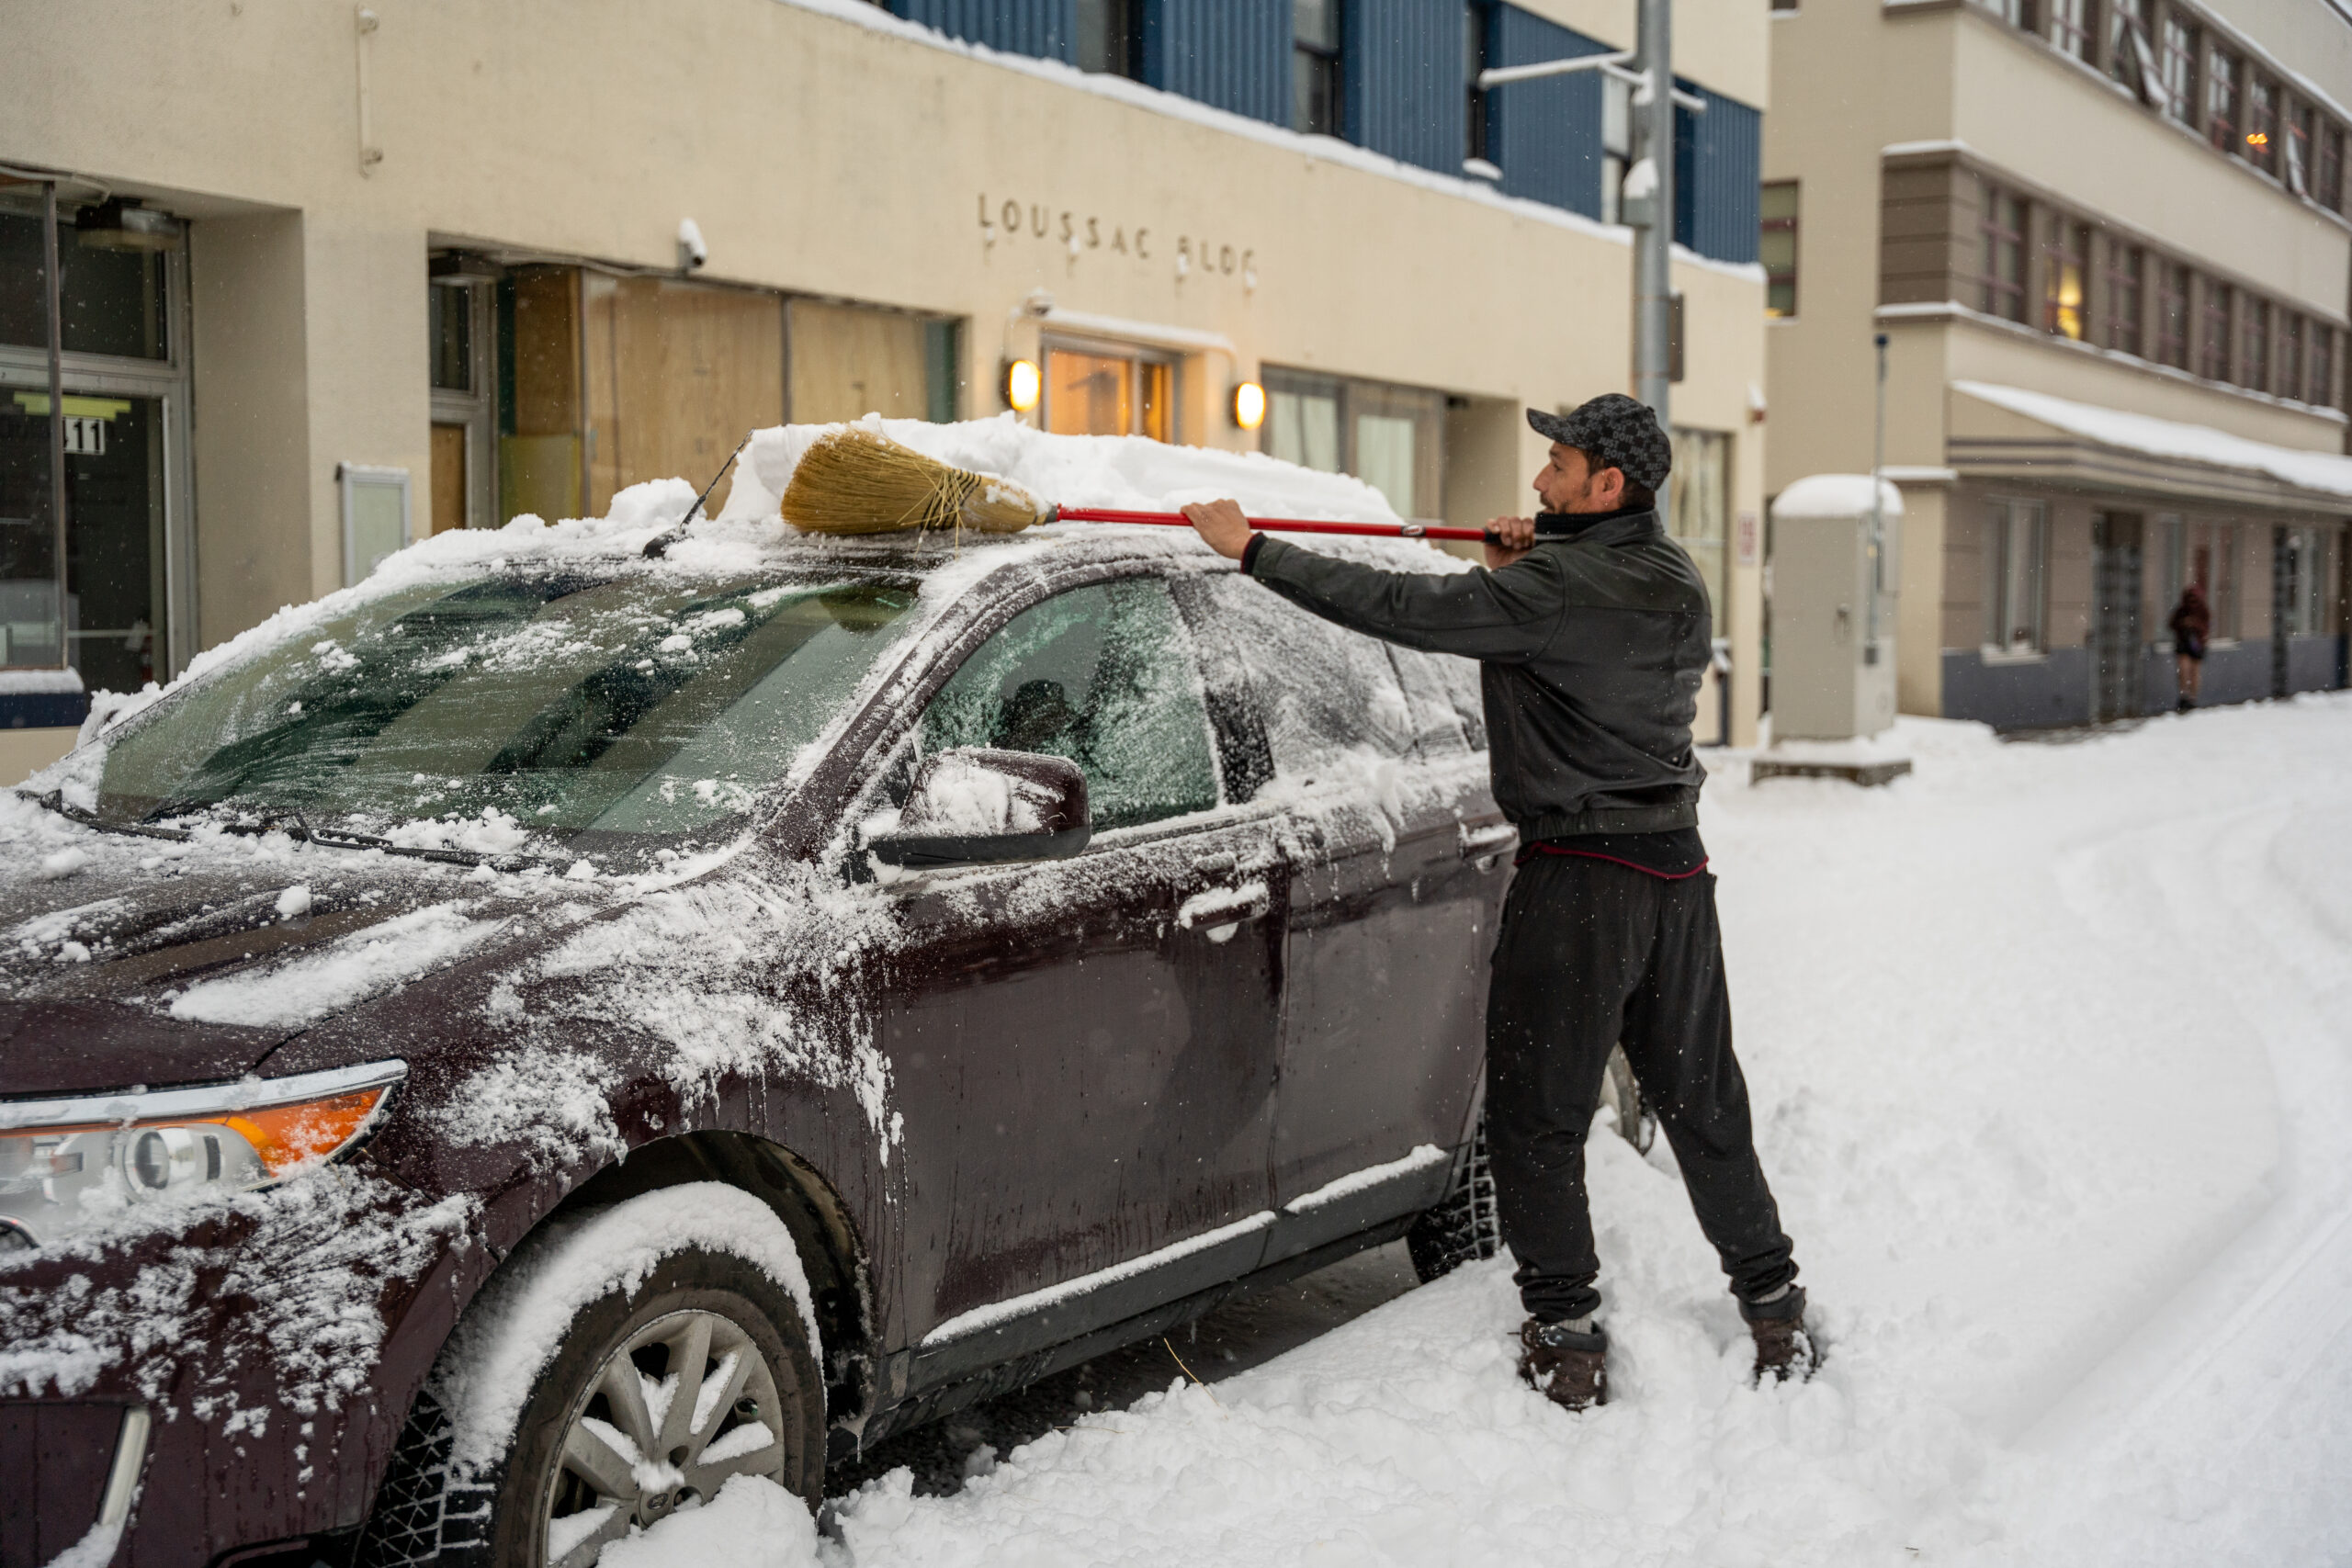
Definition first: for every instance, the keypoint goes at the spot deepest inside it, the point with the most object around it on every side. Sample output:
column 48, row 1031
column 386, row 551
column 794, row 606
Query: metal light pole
column 1645, row 201
column 1651, row 188
column 1876, row 547
column 54, row 288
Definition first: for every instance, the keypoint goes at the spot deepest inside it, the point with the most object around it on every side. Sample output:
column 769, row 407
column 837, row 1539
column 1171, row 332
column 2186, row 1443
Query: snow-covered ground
column 2052, row 1052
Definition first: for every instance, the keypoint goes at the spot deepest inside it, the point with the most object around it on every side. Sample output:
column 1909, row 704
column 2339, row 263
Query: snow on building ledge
column 2141, row 450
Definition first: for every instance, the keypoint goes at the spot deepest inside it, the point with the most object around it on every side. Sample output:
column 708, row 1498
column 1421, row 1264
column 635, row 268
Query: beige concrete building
column 2107, row 243
column 338, row 277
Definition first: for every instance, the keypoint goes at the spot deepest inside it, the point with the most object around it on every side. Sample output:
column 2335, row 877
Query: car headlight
column 65, row 1162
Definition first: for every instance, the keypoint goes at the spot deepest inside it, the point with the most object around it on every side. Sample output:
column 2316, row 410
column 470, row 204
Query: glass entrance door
column 114, row 539
column 123, row 619
column 1103, row 392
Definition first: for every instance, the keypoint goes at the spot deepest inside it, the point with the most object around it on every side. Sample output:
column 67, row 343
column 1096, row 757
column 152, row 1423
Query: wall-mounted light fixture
column 1022, row 384
column 1248, row 405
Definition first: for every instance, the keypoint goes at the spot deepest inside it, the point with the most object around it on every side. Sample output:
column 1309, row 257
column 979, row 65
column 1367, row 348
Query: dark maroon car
column 506, row 1048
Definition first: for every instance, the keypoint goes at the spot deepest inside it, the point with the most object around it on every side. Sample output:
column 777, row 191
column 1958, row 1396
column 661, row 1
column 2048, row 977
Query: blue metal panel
column 1234, row 54
column 1402, row 73
column 1046, row 28
column 1546, row 134
column 1718, row 163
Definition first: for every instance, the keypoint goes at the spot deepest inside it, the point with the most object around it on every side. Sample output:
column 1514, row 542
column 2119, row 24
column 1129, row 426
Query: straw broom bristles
column 861, row 481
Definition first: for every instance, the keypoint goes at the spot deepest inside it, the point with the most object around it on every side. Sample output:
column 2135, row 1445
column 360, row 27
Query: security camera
column 691, row 251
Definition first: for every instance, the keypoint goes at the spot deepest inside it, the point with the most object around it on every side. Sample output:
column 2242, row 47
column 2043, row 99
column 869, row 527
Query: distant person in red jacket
column 2192, row 622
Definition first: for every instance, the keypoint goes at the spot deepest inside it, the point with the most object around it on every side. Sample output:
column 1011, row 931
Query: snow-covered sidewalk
column 2052, row 1052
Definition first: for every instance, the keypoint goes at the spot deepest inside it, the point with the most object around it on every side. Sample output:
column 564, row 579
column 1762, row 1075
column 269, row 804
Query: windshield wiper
column 331, row 838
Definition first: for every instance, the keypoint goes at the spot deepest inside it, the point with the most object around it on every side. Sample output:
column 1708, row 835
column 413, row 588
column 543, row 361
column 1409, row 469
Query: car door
column 1084, row 1049
column 1397, row 869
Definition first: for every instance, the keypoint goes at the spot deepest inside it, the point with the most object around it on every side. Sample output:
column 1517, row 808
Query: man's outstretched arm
column 1498, row 614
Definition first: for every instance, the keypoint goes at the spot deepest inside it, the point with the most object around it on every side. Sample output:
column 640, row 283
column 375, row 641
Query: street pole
column 54, row 288
column 1652, row 201
column 1876, row 548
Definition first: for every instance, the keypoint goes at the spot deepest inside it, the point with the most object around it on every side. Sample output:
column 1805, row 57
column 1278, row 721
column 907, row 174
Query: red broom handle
column 1284, row 524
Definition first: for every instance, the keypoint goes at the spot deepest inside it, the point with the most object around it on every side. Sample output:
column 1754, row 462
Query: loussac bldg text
column 337, row 277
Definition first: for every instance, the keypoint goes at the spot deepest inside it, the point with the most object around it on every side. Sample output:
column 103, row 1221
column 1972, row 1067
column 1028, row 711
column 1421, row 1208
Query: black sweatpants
column 1591, row 953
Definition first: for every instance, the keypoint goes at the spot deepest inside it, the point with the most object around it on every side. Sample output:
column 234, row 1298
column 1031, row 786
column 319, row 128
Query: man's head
column 1607, row 453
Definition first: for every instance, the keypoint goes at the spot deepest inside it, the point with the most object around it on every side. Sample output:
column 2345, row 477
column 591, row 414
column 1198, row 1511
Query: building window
column 2213, row 335
column 1093, row 390
column 1776, row 248
column 2290, row 355
column 2221, row 99
column 2253, row 354
column 2014, row 12
column 2173, row 289
column 1697, row 506
column 2130, row 60
column 2070, row 27
column 1784, row 5
column 2299, row 149
column 2328, row 188
column 2322, row 358
column 2004, row 216
column 1477, row 22
column 1110, row 37
column 2180, row 64
column 2262, row 125
column 2126, row 265
column 2016, row 544
column 1390, row 437
column 2212, row 566
column 2065, row 269
column 1315, row 67
column 449, row 322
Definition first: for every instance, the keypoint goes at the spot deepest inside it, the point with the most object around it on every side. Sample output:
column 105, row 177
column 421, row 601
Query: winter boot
column 1567, row 1364
column 1783, row 1348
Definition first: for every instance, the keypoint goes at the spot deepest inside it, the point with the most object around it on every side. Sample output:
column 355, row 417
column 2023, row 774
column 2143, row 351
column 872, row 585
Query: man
column 1592, row 629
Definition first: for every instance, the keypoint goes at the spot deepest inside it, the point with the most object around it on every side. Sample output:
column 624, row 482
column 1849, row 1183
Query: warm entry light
column 1021, row 384
column 1248, row 405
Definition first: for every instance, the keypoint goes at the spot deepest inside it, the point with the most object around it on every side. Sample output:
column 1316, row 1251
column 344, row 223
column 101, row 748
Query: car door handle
column 1217, row 912
column 1484, row 846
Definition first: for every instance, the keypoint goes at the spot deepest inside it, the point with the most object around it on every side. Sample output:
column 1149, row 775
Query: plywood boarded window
column 852, row 360
column 677, row 374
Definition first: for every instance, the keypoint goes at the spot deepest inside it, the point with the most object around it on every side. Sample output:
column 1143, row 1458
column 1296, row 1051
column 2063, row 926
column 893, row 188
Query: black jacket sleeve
column 1504, row 617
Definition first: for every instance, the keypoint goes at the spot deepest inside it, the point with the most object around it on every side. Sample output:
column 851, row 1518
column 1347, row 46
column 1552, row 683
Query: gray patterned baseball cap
column 1612, row 431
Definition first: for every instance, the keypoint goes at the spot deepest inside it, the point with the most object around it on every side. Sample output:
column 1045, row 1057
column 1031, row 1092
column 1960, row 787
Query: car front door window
column 1100, row 675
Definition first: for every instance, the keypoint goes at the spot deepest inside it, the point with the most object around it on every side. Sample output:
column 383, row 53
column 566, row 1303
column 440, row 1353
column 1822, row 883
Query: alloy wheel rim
column 686, row 1403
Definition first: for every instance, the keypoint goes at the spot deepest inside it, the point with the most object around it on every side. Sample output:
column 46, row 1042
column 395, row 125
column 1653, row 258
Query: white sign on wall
column 85, row 436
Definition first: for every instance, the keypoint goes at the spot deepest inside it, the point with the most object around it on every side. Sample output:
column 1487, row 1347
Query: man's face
column 1569, row 484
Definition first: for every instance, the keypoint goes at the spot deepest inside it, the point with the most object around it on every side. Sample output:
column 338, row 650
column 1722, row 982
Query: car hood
column 123, row 973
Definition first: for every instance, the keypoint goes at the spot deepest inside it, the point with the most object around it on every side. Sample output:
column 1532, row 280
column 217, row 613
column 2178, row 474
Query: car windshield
column 632, row 707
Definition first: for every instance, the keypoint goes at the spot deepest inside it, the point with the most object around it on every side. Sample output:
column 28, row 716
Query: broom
column 860, row 481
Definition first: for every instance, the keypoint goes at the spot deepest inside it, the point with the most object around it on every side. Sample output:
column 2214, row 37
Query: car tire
column 1636, row 1122
column 1462, row 1227
column 535, row 1508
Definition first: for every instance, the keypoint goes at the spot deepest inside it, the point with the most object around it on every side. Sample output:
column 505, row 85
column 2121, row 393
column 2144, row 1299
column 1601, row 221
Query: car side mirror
column 973, row 806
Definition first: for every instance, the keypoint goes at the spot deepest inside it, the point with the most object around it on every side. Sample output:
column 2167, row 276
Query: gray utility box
column 1833, row 608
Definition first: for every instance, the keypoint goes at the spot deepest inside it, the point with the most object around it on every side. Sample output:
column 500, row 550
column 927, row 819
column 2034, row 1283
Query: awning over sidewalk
column 2011, row 432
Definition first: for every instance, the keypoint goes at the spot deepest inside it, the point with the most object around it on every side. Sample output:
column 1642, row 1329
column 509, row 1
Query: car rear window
column 631, row 705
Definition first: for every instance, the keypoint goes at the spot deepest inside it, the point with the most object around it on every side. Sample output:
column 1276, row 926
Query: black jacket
column 1591, row 646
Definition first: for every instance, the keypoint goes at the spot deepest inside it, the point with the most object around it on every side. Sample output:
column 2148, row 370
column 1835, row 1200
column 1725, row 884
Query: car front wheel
column 660, row 1383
